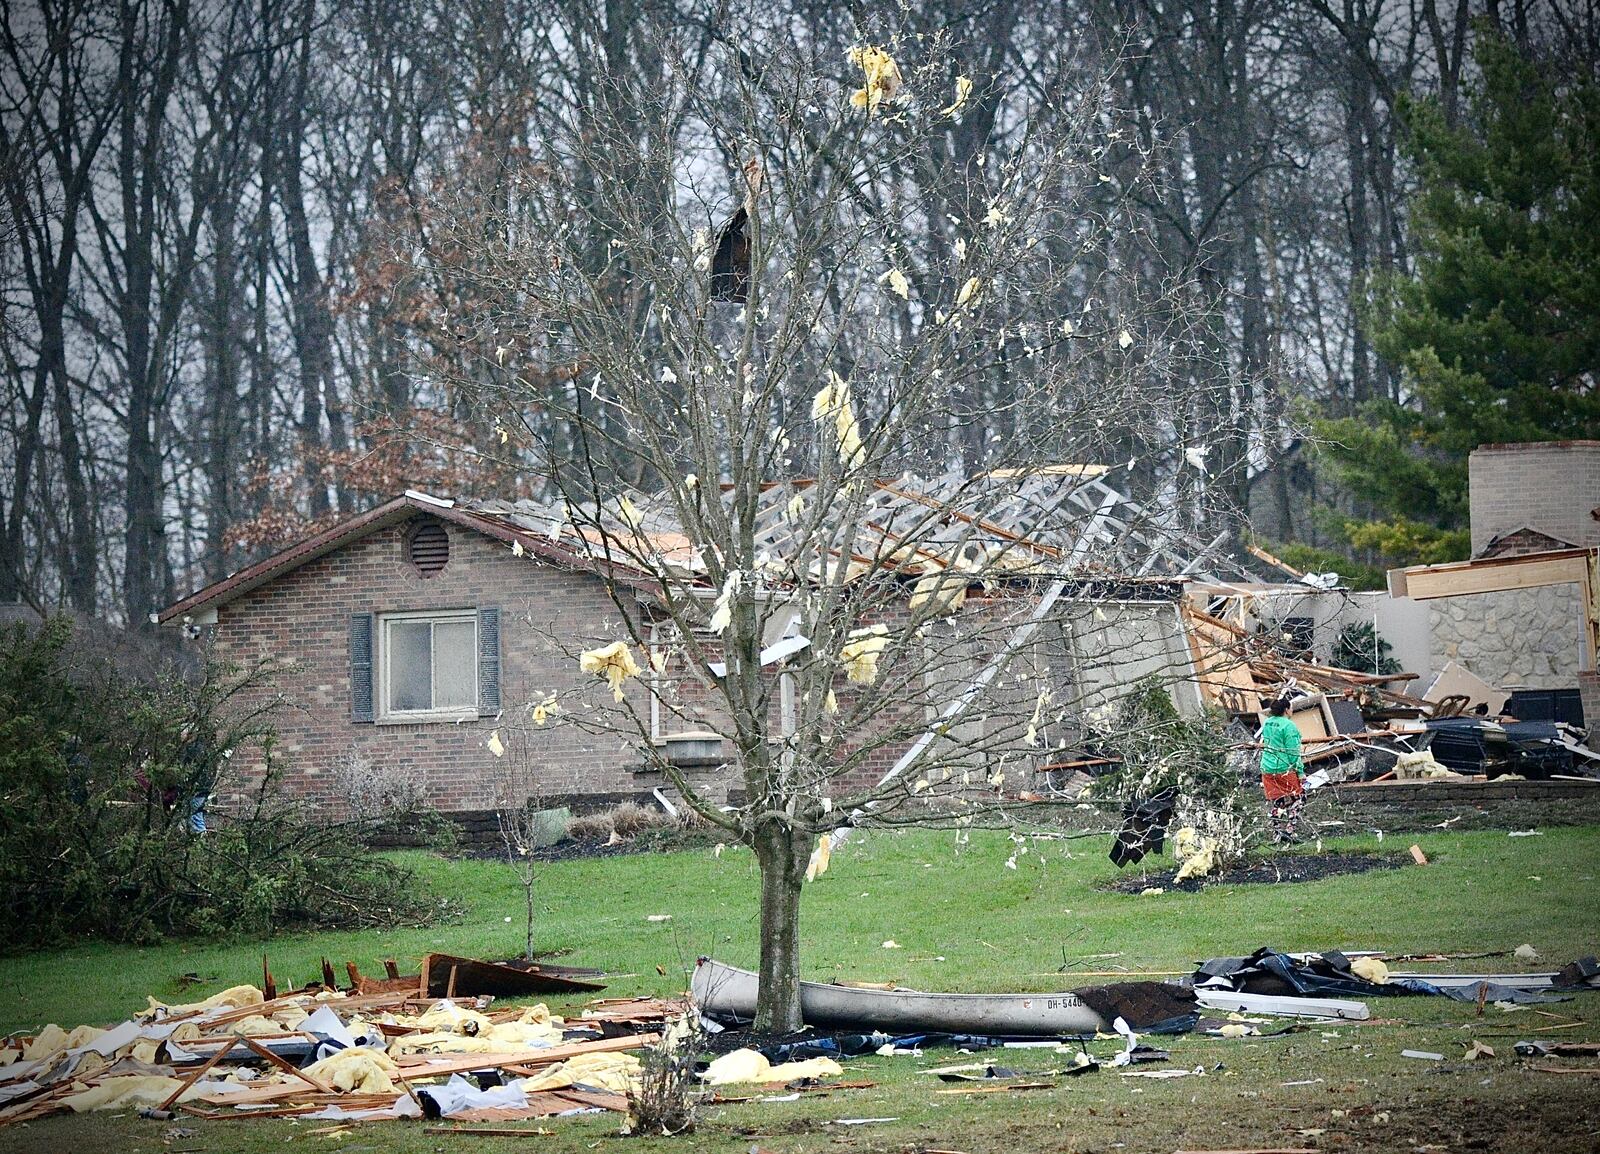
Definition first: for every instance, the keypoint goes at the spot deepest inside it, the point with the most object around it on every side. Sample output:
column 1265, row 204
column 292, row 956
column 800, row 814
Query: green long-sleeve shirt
column 1280, row 747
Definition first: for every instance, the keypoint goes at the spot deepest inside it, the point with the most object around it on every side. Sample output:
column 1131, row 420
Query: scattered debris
column 1269, row 971
column 1525, row 953
column 1558, row 1049
column 324, row 1052
column 1418, row 856
column 752, row 1066
column 1149, row 1007
column 1427, row 1055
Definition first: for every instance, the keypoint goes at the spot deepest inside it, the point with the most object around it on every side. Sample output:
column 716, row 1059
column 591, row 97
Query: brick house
column 399, row 638
column 408, row 642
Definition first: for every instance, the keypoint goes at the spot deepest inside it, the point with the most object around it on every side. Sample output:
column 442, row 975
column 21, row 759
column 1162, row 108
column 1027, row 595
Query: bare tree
column 522, row 821
column 762, row 326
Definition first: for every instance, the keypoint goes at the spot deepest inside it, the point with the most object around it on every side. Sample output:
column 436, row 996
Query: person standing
column 1282, row 770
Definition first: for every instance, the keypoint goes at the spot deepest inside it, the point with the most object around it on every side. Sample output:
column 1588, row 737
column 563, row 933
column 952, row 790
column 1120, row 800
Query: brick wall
column 1589, row 696
column 548, row 614
column 1552, row 487
column 1425, row 793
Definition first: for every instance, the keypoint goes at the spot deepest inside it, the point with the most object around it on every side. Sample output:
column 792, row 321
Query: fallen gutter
column 1291, row 1007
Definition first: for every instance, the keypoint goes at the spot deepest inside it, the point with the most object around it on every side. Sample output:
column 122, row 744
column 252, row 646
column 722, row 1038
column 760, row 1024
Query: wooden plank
column 240, row 1115
column 256, row 1095
column 1008, row 1089
column 599, row 1099
column 1426, row 582
column 201, row 1072
column 288, row 1067
column 411, row 1070
column 1289, row 1006
column 229, row 1041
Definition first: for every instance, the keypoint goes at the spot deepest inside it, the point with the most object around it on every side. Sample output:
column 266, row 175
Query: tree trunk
column 527, row 893
column 308, row 295
column 79, row 557
column 782, row 857
column 11, row 571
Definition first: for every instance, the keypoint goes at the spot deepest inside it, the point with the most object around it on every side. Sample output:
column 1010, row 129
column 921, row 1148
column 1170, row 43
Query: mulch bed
column 1272, row 870
column 578, row 849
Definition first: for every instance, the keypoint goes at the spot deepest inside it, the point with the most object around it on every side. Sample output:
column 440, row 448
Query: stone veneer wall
column 1516, row 637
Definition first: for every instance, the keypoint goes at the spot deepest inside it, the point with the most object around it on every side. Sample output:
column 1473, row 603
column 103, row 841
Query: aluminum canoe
column 727, row 991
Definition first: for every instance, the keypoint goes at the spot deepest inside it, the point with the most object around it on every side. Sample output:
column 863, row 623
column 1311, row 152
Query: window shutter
column 361, row 667
column 489, row 661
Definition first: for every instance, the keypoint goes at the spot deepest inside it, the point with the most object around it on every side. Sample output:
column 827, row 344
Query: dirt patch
column 1273, row 870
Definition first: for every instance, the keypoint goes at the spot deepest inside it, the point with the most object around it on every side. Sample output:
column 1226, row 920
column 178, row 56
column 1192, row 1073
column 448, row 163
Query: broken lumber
column 201, row 1072
column 446, row 976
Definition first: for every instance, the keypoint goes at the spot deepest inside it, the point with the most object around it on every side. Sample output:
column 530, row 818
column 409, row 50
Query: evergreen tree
column 1498, row 328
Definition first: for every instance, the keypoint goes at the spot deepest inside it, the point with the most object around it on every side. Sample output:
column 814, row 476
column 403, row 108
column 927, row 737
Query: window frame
column 383, row 714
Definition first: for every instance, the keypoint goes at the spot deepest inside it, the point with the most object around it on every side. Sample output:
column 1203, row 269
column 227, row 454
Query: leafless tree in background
column 207, row 343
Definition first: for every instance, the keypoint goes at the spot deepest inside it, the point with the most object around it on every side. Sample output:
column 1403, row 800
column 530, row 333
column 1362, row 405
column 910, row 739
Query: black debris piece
column 1582, row 972
column 1271, row 972
column 1147, row 1007
column 1141, row 1054
column 1144, row 828
column 1346, row 716
column 730, row 263
column 1563, row 705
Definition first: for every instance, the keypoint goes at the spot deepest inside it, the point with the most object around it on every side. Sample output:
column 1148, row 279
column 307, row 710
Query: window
column 428, row 665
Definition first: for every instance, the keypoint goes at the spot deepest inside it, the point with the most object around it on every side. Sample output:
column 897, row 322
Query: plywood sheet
column 1455, row 679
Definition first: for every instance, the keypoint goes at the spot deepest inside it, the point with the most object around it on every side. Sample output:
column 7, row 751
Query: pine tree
column 1497, row 329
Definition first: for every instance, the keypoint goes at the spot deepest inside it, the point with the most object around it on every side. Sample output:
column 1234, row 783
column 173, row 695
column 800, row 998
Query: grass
column 964, row 922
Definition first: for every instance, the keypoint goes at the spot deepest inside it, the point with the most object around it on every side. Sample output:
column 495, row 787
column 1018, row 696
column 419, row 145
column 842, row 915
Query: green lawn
column 964, row 922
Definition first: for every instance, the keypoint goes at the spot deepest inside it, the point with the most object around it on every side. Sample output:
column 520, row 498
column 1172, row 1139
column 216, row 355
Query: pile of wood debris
column 339, row 1054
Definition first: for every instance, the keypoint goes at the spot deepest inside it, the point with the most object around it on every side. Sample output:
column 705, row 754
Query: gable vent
column 429, row 548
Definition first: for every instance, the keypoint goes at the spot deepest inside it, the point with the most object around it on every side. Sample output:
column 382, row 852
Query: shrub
column 99, row 775
column 1197, row 758
column 664, row 1101
column 1359, row 646
column 1159, row 749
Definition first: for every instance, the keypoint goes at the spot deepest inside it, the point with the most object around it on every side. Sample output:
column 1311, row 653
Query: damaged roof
column 1061, row 520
